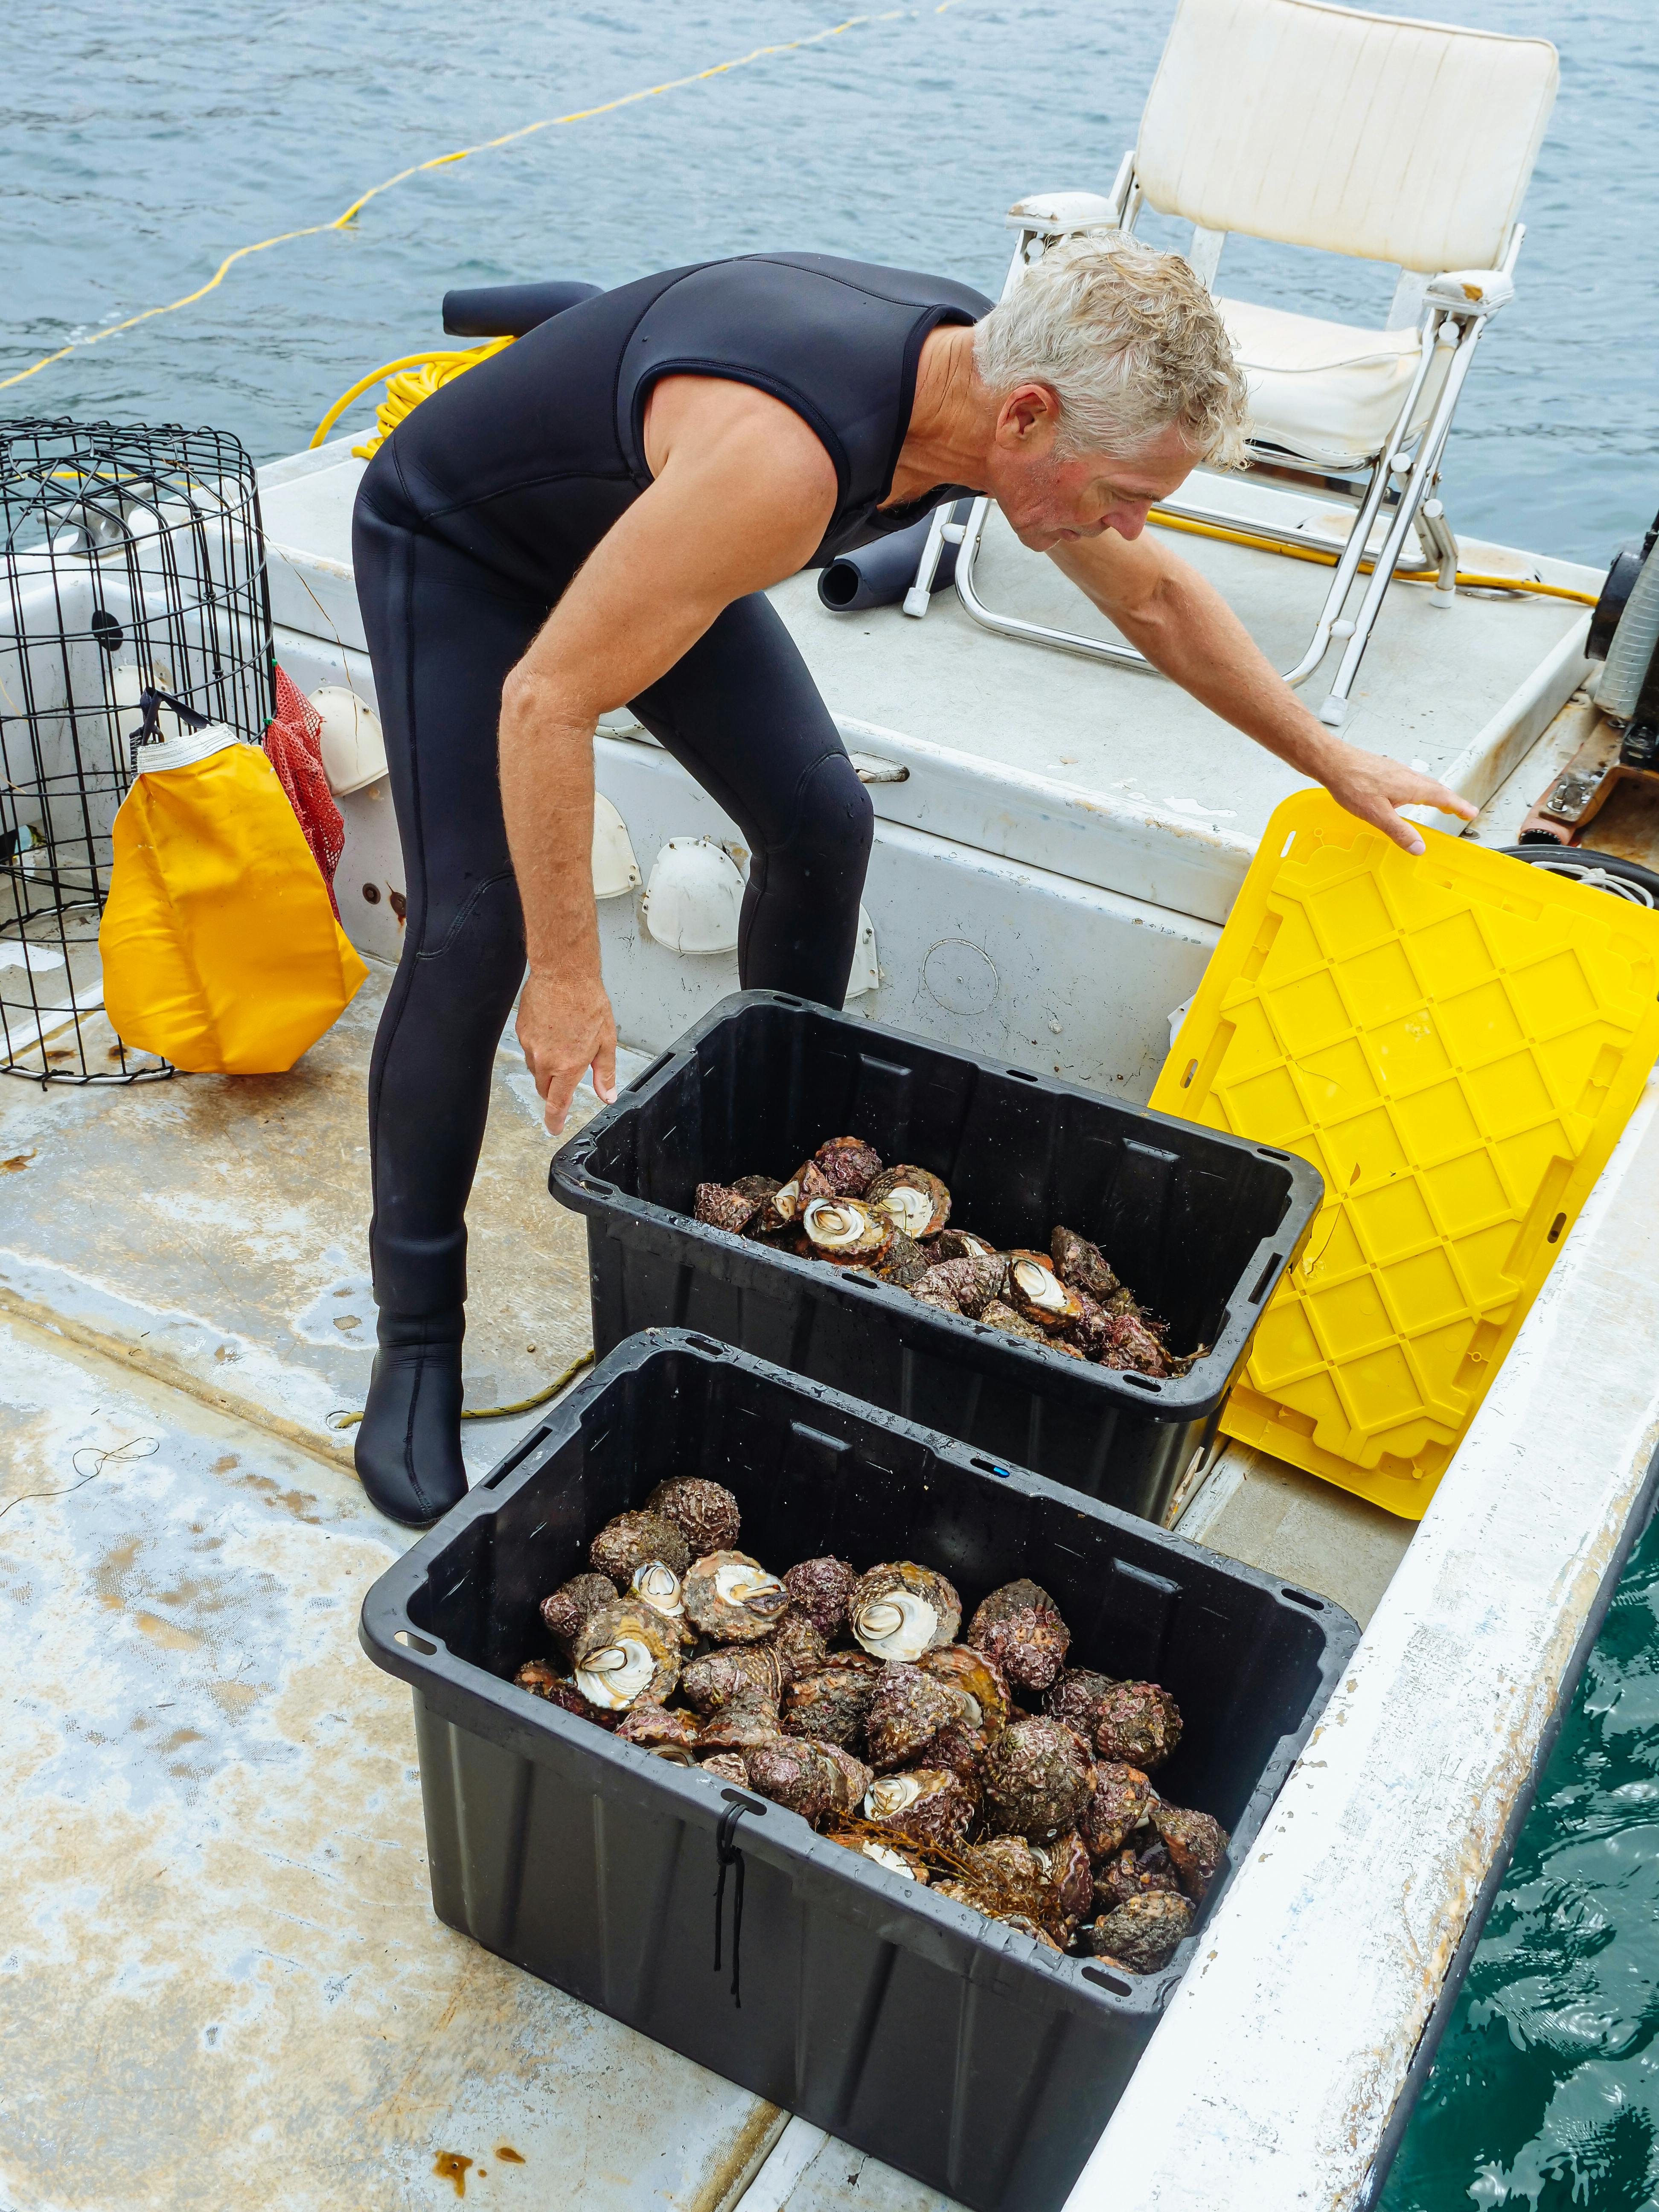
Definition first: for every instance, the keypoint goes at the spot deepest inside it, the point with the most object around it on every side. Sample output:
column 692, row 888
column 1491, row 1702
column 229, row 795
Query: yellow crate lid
column 1455, row 1043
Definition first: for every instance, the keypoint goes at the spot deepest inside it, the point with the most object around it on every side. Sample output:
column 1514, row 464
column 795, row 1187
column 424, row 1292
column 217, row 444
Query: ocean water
column 138, row 147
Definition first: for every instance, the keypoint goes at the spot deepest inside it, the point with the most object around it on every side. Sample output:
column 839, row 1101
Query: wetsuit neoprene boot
column 409, row 1446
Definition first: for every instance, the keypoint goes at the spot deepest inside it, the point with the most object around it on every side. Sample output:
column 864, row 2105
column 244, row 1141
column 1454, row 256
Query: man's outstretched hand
column 566, row 1027
column 1372, row 786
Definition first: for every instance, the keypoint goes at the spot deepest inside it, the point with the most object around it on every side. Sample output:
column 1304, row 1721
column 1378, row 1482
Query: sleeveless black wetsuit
column 472, row 520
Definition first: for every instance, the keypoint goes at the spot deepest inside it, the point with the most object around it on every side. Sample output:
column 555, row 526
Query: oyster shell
column 832, row 1703
column 821, row 1588
column 1196, row 1843
column 727, row 1766
column 783, row 1208
column 906, row 1712
column 718, row 1676
column 845, row 1231
column 1019, row 1626
column 848, row 1164
column 654, row 1726
column 625, row 1652
column 568, row 1606
column 893, row 1856
column 972, row 1282
column 1133, row 1874
column 996, row 1315
column 1130, row 1343
column 631, row 1541
column 807, row 1776
column 1026, row 1252
column 1089, row 1331
column 705, row 1513
column 1138, row 1722
column 903, row 1262
column 961, row 1747
column 1074, row 1696
column 1141, row 1936
column 1121, row 1799
column 1058, row 1344
column 760, row 1187
column 1038, row 1779
column 731, row 1597
column 900, row 1610
column 977, row 1682
column 746, row 1720
column 720, row 1207
column 542, row 1681
column 1038, row 1293
column 939, row 1301
column 801, row 1649
column 930, row 1805
column 912, row 1199
column 1083, row 1264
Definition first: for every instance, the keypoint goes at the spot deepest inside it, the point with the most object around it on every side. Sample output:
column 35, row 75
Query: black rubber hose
column 507, row 311
column 879, row 575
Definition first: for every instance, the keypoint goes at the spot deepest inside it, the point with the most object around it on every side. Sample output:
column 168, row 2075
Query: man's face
column 1047, row 502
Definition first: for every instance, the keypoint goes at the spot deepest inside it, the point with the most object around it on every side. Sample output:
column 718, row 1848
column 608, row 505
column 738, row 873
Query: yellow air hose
column 417, row 376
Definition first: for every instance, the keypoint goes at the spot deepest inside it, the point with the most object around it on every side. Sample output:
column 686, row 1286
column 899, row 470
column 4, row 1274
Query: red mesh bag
column 293, row 748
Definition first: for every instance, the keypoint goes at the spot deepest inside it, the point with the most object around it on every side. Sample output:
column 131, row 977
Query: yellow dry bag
column 219, row 947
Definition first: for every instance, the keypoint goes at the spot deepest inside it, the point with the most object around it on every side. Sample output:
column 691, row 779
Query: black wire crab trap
column 131, row 561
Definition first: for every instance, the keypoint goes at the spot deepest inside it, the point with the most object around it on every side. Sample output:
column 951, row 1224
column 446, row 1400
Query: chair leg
column 1424, row 472
column 920, row 597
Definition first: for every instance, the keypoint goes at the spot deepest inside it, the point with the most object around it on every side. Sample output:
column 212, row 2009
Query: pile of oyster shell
column 978, row 1763
column 893, row 1224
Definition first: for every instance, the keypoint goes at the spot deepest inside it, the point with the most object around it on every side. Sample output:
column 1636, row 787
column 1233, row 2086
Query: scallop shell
column 718, row 1676
column 821, row 1588
column 731, row 1597
column 808, row 1777
column 972, row 1282
column 544, row 1681
column 1083, row 1264
column 1038, row 1779
column 743, row 1722
column 719, row 1207
column 900, row 1610
column 625, row 1652
column 1038, row 1292
column 1121, row 1800
column 652, row 1726
column 1138, row 1722
column 705, row 1513
column 907, row 1711
column 1196, row 1843
column 912, row 1199
column 930, row 1805
column 959, row 1245
column 1141, row 1935
column 568, row 1606
column 631, row 1541
column 848, row 1164
column 845, row 1231
column 1019, row 1626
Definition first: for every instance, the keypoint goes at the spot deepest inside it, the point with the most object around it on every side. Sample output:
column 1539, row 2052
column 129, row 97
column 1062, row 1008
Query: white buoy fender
column 353, row 748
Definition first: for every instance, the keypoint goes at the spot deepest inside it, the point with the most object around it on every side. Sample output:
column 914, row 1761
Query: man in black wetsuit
column 590, row 518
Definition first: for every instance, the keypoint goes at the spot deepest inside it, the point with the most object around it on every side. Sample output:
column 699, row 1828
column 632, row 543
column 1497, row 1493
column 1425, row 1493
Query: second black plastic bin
column 965, row 2053
column 1200, row 1224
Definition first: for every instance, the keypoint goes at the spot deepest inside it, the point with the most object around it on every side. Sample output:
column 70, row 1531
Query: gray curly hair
column 1129, row 340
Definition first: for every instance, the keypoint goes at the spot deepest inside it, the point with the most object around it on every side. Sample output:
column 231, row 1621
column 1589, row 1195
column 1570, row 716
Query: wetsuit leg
column 442, row 642
column 740, row 713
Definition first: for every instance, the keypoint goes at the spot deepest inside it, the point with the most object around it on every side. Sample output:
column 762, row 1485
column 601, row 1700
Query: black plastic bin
column 960, row 2052
column 1201, row 1225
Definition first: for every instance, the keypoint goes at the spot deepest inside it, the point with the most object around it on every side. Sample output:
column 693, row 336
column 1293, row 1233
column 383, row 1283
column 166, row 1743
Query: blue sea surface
column 138, row 147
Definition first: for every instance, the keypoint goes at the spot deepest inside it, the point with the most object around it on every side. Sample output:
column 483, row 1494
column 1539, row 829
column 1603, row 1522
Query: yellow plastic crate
column 1455, row 1043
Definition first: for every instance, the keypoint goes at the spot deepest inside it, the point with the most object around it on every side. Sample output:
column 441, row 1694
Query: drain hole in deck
column 1301, row 1597
column 407, row 1636
column 1107, row 1982
column 1556, row 1227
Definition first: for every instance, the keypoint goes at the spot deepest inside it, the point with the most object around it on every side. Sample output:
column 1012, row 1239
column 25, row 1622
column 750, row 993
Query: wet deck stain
column 509, row 2156
column 451, row 2166
column 16, row 1164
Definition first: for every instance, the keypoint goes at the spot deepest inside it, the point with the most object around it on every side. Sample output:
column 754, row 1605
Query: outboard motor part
column 879, row 575
column 507, row 311
column 1627, row 630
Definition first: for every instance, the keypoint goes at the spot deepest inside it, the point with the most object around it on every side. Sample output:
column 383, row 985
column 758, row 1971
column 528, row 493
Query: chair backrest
column 1370, row 135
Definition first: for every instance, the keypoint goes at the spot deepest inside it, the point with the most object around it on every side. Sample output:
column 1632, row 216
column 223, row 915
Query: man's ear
column 1028, row 411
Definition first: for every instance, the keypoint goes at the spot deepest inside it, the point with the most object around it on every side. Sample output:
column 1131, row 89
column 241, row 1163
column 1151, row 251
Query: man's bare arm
column 743, row 492
column 1185, row 628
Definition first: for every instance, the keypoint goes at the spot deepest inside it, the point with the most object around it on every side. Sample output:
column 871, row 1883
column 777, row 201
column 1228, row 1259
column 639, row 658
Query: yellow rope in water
column 462, row 154
column 1163, row 519
column 341, row 1420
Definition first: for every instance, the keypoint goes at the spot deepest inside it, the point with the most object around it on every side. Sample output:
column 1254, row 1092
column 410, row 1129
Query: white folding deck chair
column 1391, row 140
